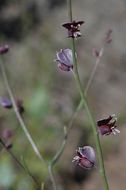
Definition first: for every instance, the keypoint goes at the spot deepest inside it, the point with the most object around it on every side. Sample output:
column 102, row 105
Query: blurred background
column 33, row 31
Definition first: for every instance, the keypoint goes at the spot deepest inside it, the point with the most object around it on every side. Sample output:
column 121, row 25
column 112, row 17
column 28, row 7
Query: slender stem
column 93, row 71
column 22, row 124
column 42, row 186
column 61, row 149
column 19, row 163
column 69, row 4
column 51, row 177
column 94, row 127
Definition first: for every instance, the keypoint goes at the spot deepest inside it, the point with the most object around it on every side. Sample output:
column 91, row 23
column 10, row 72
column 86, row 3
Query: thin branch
column 52, row 177
column 22, row 124
column 94, row 71
column 61, row 149
column 19, row 163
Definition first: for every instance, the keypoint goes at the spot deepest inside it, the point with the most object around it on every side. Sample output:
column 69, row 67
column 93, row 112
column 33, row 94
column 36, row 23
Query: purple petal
column 67, row 25
column 65, row 57
column 63, row 67
column 88, row 152
column 104, row 130
column 86, row 164
column 6, row 103
column 69, row 55
column 104, row 121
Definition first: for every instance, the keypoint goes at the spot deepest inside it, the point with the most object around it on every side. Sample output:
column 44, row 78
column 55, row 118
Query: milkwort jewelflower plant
column 81, row 159
column 67, row 61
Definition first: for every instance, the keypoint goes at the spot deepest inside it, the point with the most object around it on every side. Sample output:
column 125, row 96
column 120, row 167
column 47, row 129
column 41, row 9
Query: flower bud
column 95, row 53
column 108, row 36
column 4, row 49
column 7, row 134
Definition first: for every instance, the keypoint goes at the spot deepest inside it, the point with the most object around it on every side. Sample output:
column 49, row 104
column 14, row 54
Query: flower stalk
column 19, row 163
column 83, row 98
column 22, row 124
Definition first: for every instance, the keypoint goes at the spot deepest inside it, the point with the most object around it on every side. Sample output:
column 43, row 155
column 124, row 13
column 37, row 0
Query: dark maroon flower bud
column 6, row 103
column 73, row 28
column 108, row 36
column 65, row 59
column 19, row 103
column 8, row 145
column 85, row 157
column 4, row 49
column 107, row 126
column 7, row 134
column 95, row 53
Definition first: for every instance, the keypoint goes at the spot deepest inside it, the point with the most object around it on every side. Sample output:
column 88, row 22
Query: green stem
column 94, row 127
column 20, row 164
column 51, row 177
column 61, row 149
column 22, row 124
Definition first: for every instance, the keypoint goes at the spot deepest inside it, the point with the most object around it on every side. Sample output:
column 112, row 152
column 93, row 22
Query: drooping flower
column 65, row 59
column 4, row 49
column 85, row 157
column 73, row 28
column 107, row 126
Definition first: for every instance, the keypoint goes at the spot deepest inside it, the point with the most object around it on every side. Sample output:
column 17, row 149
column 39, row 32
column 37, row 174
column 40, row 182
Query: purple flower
column 6, row 103
column 107, row 126
column 85, row 157
column 73, row 28
column 4, row 49
column 7, row 134
column 65, row 59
